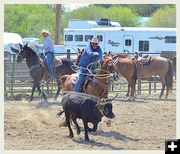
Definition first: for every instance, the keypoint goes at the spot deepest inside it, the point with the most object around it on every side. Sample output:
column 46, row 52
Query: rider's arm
column 91, row 53
column 45, row 45
column 100, row 54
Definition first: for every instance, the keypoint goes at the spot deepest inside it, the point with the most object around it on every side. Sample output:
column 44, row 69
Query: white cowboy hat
column 94, row 40
column 45, row 31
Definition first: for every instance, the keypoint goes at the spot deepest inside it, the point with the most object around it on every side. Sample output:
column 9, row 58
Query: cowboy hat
column 94, row 40
column 45, row 31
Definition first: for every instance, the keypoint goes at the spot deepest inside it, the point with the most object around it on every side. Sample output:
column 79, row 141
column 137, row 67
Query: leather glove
column 96, row 54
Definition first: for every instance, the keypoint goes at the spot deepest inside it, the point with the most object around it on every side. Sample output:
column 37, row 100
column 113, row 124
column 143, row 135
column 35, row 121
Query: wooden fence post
column 149, row 86
column 68, row 53
column 13, row 72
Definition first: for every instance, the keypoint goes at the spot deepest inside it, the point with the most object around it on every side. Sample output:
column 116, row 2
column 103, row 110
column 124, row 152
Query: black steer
column 86, row 107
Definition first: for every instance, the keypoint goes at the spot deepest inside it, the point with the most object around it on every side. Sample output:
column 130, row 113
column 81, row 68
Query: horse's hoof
column 71, row 136
column 30, row 99
column 131, row 98
column 55, row 98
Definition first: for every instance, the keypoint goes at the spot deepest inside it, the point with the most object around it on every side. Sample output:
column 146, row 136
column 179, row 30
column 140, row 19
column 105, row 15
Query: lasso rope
column 101, row 76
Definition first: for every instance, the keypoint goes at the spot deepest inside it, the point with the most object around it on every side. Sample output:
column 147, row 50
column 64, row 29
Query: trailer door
column 128, row 43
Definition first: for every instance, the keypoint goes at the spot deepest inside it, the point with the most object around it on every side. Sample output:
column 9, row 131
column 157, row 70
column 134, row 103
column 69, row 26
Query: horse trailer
column 115, row 38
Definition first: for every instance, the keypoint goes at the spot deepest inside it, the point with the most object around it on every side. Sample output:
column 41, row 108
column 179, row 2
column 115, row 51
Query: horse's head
column 25, row 52
column 108, row 64
column 79, row 53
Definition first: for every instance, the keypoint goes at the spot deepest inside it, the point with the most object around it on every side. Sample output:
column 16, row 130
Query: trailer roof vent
column 103, row 21
column 107, row 22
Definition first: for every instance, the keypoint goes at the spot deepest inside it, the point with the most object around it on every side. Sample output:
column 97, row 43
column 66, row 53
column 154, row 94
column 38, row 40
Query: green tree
column 123, row 15
column 164, row 17
column 145, row 10
column 28, row 20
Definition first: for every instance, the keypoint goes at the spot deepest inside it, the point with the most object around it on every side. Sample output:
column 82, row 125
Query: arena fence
column 18, row 81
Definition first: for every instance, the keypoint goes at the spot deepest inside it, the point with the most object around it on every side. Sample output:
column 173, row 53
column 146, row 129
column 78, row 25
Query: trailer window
column 143, row 45
column 88, row 37
column 170, row 39
column 68, row 37
column 100, row 37
column 78, row 37
column 127, row 42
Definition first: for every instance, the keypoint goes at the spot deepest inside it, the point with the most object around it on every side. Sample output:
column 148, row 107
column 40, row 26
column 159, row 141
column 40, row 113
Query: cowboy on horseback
column 92, row 53
column 48, row 51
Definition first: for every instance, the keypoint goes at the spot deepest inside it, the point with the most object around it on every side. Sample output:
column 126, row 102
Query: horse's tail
column 63, row 78
column 60, row 112
column 169, row 77
column 135, row 73
column 63, row 82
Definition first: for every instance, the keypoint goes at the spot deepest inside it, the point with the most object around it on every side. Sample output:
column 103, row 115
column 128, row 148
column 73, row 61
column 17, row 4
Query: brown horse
column 173, row 59
column 126, row 67
column 98, row 84
column 159, row 66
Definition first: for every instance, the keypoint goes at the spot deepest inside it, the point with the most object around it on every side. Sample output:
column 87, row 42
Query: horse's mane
column 30, row 49
column 121, row 55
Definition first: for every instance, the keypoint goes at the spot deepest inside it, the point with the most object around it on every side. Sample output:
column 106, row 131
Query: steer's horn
column 111, row 99
column 105, row 100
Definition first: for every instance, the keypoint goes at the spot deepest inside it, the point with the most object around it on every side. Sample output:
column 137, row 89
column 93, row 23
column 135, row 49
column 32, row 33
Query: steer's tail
column 59, row 113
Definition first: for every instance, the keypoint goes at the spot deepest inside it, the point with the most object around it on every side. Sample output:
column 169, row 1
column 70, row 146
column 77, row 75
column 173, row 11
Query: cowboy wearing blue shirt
column 48, row 51
column 92, row 53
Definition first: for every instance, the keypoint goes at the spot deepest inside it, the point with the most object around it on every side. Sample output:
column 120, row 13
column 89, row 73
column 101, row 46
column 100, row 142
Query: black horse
column 38, row 69
column 64, row 69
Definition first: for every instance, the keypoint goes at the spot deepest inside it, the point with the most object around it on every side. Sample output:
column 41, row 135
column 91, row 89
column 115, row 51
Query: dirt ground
column 144, row 124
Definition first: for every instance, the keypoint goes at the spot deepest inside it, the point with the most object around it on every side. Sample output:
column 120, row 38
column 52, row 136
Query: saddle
column 145, row 60
column 57, row 61
column 87, row 79
column 141, row 63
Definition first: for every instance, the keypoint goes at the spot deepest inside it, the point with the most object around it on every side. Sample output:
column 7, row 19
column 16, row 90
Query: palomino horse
column 98, row 84
column 126, row 67
column 159, row 66
column 38, row 70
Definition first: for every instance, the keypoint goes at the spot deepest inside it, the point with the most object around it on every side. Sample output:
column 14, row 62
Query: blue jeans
column 49, row 57
column 80, row 80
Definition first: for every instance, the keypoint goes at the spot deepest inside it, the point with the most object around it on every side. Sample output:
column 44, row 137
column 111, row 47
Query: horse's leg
column 133, row 91
column 127, row 95
column 163, row 87
column 58, row 91
column 167, row 92
column 41, row 92
column 131, row 86
column 33, row 89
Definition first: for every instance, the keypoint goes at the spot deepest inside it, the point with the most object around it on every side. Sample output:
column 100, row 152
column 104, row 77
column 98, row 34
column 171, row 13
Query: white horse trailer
column 115, row 38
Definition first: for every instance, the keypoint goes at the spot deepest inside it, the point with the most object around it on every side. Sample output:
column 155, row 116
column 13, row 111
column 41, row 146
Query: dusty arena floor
column 140, row 125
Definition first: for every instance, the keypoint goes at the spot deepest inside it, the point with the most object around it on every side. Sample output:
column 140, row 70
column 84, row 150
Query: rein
column 34, row 66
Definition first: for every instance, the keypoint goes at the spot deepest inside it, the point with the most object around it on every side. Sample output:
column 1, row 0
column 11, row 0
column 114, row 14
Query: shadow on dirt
column 97, row 144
